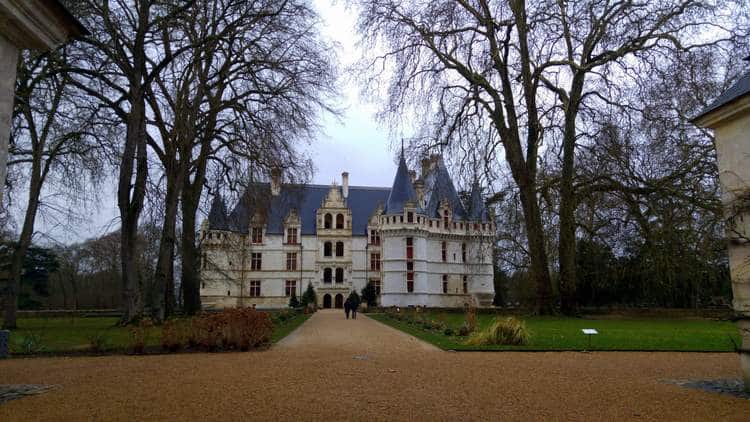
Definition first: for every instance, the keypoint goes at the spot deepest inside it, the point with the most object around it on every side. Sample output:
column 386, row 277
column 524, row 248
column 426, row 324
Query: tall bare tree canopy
column 522, row 81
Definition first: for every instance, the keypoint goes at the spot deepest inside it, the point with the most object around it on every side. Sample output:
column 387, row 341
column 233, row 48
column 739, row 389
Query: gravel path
column 333, row 369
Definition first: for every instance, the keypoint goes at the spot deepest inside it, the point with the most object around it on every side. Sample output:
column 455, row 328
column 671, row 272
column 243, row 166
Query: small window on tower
column 409, row 217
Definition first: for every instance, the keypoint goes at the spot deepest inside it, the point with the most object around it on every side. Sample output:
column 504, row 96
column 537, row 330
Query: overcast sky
column 354, row 143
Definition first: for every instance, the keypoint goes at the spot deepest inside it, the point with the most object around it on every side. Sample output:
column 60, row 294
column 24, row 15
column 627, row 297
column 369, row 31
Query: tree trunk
column 539, row 269
column 133, row 161
column 163, row 277
column 568, row 204
column 190, row 290
column 19, row 252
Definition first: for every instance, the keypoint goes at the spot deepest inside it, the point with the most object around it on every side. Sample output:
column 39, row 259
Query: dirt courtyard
column 334, row 369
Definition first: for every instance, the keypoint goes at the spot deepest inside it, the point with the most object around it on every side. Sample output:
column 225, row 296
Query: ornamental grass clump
column 506, row 331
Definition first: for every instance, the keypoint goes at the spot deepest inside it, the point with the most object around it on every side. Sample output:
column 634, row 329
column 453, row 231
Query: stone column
column 729, row 117
column 8, row 64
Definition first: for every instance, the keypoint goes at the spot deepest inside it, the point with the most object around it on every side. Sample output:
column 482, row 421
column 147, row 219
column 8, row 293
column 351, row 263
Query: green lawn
column 66, row 335
column 559, row 333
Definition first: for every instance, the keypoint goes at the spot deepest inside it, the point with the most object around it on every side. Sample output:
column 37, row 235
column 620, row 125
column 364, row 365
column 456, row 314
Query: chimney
column 276, row 181
column 345, row 184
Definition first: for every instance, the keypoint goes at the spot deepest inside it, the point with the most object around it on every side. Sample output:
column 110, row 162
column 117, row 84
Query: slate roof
column 476, row 209
column 217, row 216
column 739, row 89
column 437, row 187
column 402, row 190
column 362, row 201
column 305, row 199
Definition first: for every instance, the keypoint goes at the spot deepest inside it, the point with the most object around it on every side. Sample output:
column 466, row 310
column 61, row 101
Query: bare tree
column 53, row 136
column 115, row 65
column 516, row 75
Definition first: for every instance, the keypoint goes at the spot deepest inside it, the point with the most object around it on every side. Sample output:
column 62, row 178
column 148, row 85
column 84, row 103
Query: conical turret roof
column 477, row 210
column 217, row 216
column 402, row 190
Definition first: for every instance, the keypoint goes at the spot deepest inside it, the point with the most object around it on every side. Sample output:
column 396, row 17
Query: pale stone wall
column 731, row 124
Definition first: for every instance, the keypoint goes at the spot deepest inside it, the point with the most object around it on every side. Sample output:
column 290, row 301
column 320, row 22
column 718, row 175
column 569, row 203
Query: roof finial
column 402, row 147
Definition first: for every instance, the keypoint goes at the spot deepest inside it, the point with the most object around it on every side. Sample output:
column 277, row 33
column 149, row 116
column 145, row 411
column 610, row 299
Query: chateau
column 416, row 242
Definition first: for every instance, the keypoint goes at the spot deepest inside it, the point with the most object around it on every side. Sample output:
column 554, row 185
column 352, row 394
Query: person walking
column 353, row 303
column 347, row 308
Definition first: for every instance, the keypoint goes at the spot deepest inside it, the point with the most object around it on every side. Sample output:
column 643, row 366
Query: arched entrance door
column 326, row 300
column 339, row 301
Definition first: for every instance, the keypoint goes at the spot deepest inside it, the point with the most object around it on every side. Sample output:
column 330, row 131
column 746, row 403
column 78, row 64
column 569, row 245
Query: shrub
column 174, row 335
column 309, row 297
column 293, row 302
column 369, row 295
column 448, row 332
column 232, row 329
column 139, row 336
column 32, row 343
column 505, row 331
column 464, row 330
column 99, row 342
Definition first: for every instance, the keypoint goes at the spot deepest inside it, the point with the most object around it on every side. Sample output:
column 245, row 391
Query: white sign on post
column 589, row 331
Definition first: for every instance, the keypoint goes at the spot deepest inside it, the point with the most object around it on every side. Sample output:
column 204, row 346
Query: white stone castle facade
column 416, row 242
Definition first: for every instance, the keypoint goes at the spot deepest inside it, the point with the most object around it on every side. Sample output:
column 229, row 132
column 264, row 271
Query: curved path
column 333, row 369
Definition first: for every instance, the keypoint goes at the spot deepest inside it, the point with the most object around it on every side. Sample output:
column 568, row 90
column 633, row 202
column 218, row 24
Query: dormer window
column 257, row 235
column 445, row 218
column 409, row 217
column 291, row 235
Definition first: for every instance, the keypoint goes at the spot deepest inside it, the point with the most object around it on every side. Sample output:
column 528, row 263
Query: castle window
column 254, row 290
column 409, row 248
column 257, row 235
column 445, row 283
column 454, row 224
column 339, row 275
column 339, row 248
column 291, row 287
column 444, row 251
column 327, row 275
column 484, row 226
column 445, row 218
column 410, row 282
column 401, row 218
column 291, row 261
column 376, row 284
column 229, row 293
column 291, row 235
column 476, row 226
column 339, row 221
column 463, row 252
column 210, row 235
column 205, row 260
column 375, row 262
column 466, row 286
column 327, row 221
column 255, row 261
column 327, row 249
column 409, row 217
column 430, row 223
column 374, row 237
